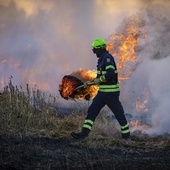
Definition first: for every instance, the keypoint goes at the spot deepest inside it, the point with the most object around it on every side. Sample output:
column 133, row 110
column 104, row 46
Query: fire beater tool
column 83, row 86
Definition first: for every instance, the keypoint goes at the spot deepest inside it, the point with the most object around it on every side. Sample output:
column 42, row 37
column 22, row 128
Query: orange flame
column 85, row 75
column 141, row 103
column 70, row 82
column 123, row 47
column 137, row 124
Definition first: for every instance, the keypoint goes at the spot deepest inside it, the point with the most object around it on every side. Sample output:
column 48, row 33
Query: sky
column 41, row 41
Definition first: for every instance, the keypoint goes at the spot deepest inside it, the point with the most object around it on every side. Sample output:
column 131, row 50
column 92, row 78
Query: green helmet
column 99, row 43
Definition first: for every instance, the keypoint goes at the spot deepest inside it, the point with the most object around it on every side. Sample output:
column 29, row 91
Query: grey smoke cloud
column 153, row 71
column 158, row 28
column 53, row 38
column 159, row 85
column 153, row 76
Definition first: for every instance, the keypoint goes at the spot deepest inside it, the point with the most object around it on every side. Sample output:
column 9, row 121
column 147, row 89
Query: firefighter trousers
column 110, row 99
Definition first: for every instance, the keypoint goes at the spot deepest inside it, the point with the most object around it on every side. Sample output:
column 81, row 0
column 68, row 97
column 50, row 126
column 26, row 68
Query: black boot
column 81, row 135
column 126, row 136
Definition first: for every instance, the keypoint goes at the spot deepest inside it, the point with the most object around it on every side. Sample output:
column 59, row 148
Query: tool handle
column 89, row 83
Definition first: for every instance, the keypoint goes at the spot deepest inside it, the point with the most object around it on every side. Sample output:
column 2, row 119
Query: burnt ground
column 52, row 153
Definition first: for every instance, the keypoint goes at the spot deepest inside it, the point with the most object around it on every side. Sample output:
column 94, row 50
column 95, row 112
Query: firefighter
column 108, row 93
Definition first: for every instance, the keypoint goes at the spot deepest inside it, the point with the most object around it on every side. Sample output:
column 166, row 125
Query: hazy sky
column 52, row 38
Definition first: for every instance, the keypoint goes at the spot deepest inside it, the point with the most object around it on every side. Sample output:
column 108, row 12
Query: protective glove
column 87, row 84
column 99, row 80
column 96, row 81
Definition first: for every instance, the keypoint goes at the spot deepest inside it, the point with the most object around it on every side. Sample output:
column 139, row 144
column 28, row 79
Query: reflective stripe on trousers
column 88, row 124
column 125, row 129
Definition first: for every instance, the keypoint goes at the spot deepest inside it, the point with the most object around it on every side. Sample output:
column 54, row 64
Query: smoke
column 41, row 41
column 152, row 73
column 158, row 28
column 52, row 38
column 159, row 85
column 157, row 48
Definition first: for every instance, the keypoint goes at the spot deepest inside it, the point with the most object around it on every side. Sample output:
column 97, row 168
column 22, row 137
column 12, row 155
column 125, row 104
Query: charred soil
column 66, row 153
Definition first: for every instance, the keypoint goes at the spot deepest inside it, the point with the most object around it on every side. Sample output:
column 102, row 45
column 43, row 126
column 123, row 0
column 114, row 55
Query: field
column 34, row 136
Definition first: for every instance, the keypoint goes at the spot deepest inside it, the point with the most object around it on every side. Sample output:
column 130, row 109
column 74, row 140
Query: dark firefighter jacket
column 107, row 69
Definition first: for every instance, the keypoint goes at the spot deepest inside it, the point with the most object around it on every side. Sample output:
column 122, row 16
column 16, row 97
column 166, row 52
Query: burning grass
column 32, row 113
column 67, row 88
column 32, row 134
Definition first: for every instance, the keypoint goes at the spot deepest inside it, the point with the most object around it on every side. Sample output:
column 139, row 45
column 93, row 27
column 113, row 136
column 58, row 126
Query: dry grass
column 31, row 113
column 34, row 136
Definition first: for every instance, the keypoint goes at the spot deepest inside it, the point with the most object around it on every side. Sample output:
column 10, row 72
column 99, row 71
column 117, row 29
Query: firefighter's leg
column 115, row 105
column 93, row 111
